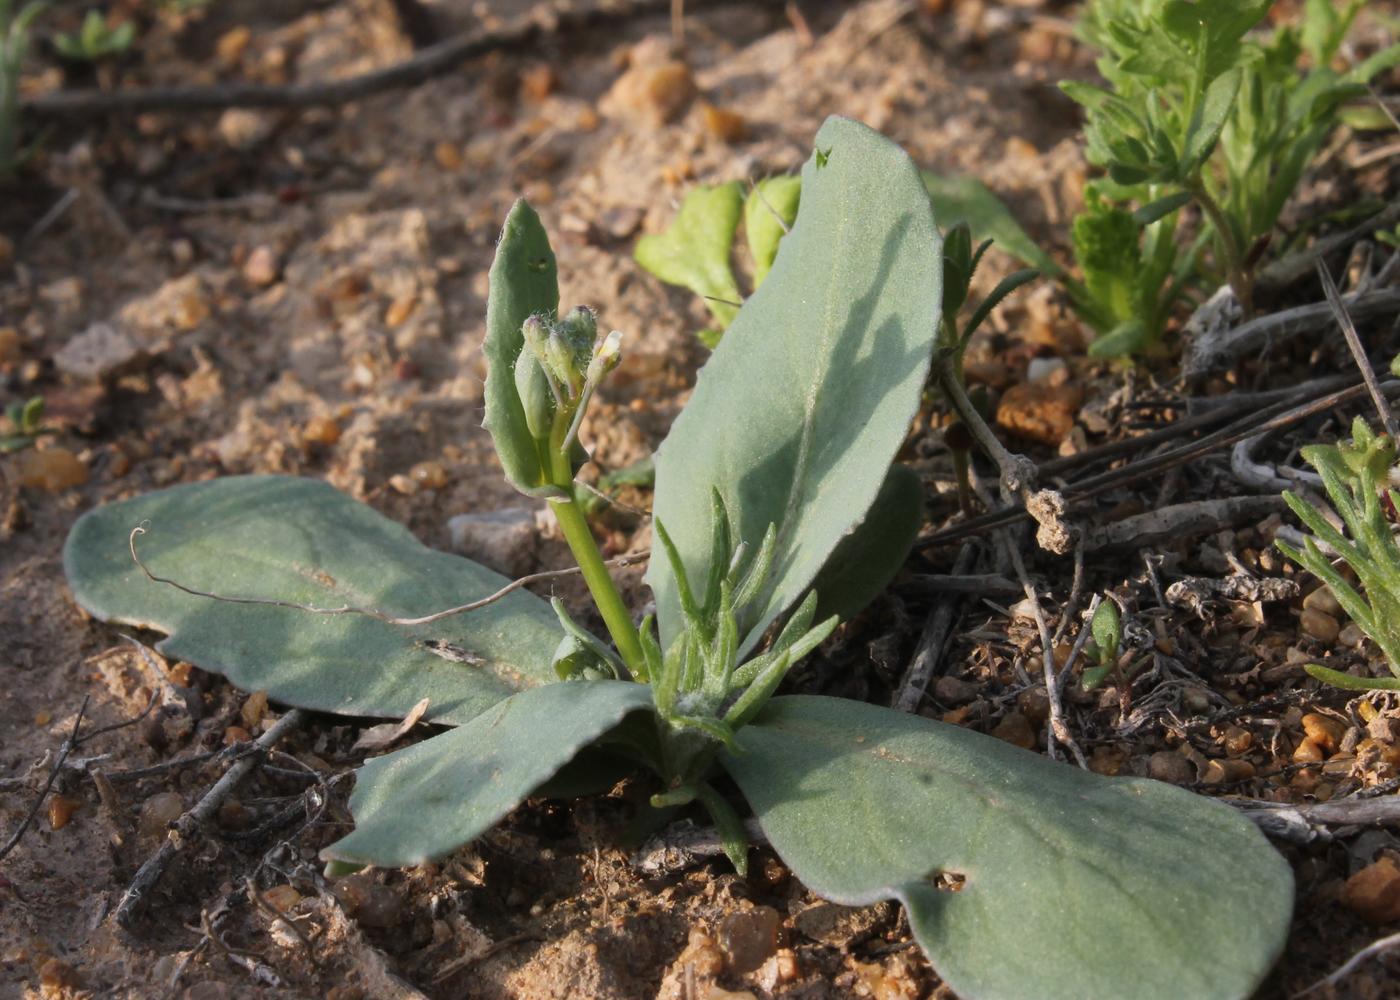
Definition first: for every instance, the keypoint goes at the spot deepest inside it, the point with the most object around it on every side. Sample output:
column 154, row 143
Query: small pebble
column 282, row 897
column 254, row 708
column 53, row 469
column 61, row 810
column 400, row 309
column 9, row 346
column 1322, row 599
column 448, row 156
column 1351, row 635
column 1015, row 729
column 429, row 475
column 1324, row 730
column 262, row 267
column 1308, row 752
column 1043, row 413
column 1171, row 767
column 400, row 483
column 954, row 691
column 749, row 937
column 1034, row 704
column 1220, row 772
column 235, row 734
column 724, row 124
column 320, row 431
column 159, row 811
column 1320, row 625
column 1373, row 893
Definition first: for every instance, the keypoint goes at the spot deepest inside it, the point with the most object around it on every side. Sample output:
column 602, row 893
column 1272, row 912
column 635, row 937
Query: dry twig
column 189, row 824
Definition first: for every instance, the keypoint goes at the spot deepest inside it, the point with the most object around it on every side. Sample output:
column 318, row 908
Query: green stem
column 1229, row 246
column 595, row 572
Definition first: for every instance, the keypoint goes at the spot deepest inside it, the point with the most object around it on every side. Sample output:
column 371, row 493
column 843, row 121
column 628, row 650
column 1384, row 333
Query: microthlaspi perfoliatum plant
column 1021, row 877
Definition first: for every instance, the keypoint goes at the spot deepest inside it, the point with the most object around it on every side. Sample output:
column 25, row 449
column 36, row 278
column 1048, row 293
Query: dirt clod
column 1373, row 893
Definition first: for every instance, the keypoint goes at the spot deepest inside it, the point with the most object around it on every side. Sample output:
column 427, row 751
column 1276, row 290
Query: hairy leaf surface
column 1075, row 885
column 797, row 414
column 426, row 801
column 291, row 539
column 524, row 282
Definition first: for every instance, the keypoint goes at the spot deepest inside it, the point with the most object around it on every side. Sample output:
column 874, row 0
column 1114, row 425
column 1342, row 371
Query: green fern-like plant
column 1355, row 476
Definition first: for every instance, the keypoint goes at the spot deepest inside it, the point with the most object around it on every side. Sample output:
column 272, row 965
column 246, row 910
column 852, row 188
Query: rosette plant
column 1021, row 877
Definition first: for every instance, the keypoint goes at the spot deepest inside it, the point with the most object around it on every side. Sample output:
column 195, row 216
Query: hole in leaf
column 946, row 881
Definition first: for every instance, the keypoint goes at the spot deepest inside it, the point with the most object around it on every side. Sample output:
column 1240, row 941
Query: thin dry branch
column 346, row 609
column 1215, row 351
column 1358, row 350
column 188, row 825
column 434, row 61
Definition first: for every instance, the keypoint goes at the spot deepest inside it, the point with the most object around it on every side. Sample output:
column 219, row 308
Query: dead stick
column 931, row 641
column 1358, row 351
column 428, row 63
column 189, row 824
column 69, row 745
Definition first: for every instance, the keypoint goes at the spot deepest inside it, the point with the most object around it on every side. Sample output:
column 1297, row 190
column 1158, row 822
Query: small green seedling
column 1106, row 627
column 695, row 252
column 14, row 43
column 95, row 40
column 1356, row 476
column 1021, row 877
column 26, row 422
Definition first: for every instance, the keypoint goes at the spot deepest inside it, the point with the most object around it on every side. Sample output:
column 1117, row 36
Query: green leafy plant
column 1196, row 112
column 1021, row 877
column 695, row 252
column 14, row 43
column 26, row 425
column 95, row 40
column 1356, row 478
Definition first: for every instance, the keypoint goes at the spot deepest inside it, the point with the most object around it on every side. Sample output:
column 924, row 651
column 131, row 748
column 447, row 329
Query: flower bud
column 606, row 357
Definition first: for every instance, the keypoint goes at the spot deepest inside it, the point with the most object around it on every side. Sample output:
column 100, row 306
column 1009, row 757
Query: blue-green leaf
column 801, row 408
column 301, row 540
column 424, row 802
column 524, row 282
column 1073, row 885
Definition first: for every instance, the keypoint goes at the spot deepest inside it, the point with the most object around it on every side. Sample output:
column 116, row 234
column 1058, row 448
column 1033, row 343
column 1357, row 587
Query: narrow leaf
column 769, row 213
column 428, row 800
column 523, row 283
column 967, row 199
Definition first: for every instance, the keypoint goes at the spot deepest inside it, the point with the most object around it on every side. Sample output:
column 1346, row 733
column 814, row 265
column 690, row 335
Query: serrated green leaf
column 284, row 538
column 1205, row 130
column 524, row 282
column 801, row 408
column 426, row 801
column 966, row 199
column 694, row 251
column 1075, row 885
column 868, row 558
column 769, row 213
